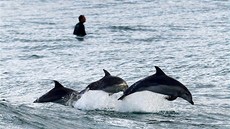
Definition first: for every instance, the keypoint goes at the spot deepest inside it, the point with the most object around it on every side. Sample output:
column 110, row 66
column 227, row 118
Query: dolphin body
column 160, row 83
column 59, row 94
column 108, row 83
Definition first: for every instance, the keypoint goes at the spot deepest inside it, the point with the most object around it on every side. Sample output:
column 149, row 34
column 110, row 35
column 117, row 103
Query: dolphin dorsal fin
column 159, row 71
column 106, row 72
column 57, row 84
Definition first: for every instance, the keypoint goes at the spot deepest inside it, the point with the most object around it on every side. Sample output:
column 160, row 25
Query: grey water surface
column 188, row 39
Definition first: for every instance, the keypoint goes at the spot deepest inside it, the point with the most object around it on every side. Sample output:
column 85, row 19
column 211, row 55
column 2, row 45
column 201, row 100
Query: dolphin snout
column 192, row 102
column 36, row 101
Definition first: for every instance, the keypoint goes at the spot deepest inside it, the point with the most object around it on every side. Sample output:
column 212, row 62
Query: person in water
column 79, row 29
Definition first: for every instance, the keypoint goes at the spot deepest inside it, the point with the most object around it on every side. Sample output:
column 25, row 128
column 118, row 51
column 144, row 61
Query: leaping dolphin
column 59, row 94
column 160, row 83
column 66, row 96
column 110, row 84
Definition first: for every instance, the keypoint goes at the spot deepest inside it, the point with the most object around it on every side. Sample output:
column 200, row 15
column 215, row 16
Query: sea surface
column 188, row 39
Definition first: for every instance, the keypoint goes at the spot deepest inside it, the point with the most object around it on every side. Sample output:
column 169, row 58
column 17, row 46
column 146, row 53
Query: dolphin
column 162, row 84
column 59, row 94
column 108, row 83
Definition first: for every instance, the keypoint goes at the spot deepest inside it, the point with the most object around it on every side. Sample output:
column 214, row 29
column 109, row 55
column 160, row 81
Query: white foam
column 138, row 102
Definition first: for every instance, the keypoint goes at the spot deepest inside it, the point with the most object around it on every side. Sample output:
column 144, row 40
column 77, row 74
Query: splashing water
column 138, row 102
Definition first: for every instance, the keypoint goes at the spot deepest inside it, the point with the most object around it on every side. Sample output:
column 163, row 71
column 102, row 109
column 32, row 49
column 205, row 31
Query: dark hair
column 80, row 17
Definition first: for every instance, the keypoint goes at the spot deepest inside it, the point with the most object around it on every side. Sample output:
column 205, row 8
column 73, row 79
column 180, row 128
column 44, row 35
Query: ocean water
column 188, row 39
